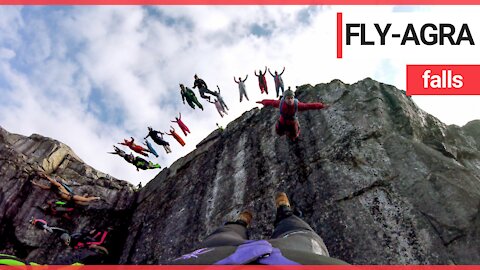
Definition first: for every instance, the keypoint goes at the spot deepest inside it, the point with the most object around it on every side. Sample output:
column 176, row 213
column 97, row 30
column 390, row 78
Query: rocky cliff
column 20, row 158
column 379, row 179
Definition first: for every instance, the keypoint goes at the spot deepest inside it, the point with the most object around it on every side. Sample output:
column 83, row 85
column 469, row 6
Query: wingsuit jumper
column 293, row 242
column 138, row 162
column 86, row 256
column 86, row 239
column 219, row 107
column 135, row 147
column 64, row 191
column 202, row 87
column 278, row 81
column 150, row 148
column 287, row 123
column 158, row 139
column 241, row 87
column 220, row 98
column 182, row 125
column 42, row 224
column 11, row 260
column 189, row 95
column 128, row 157
column 176, row 136
column 262, row 82
column 141, row 163
column 59, row 208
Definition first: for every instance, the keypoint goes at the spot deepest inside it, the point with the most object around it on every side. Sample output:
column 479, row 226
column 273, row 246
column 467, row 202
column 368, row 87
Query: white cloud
column 6, row 54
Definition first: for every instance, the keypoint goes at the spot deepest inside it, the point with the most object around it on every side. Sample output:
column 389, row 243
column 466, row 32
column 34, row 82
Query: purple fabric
column 276, row 258
column 248, row 252
column 260, row 251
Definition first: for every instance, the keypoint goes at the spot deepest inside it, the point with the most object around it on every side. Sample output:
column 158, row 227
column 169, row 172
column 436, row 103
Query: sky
column 90, row 76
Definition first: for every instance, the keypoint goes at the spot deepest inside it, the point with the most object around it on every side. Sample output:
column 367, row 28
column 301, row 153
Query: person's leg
column 219, row 109
column 293, row 130
column 286, row 222
column 296, row 129
column 211, row 93
column 78, row 198
column 283, row 88
column 185, row 128
column 292, row 232
column 277, row 89
column 202, row 92
column 190, row 103
column 280, row 129
column 231, row 234
column 102, row 239
column 198, row 103
column 224, row 105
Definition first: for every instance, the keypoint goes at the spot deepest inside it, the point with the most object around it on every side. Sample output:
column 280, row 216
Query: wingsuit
column 89, row 239
column 64, row 191
column 241, row 87
column 293, row 242
column 150, row 148
column 10, row 260
column 202, row 87
column 189, row 95
column 220, row 99
column 135, row 147
column 182, row 125
column 158, row 139
column 128, row 158
column 219, row 107
column 138, row 162
column 287, row 123
column 278, row 81
column 42, row 224
column 176, row 136
column 59, row 208
column 141, row 163
column 262, row 82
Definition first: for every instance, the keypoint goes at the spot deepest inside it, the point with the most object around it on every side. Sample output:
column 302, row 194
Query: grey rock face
column 21, row 159
column 379, row 179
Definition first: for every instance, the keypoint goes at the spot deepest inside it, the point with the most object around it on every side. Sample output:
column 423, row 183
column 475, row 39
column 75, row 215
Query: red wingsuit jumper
column 176, row 136
column 181, row 124
column 262, row 82
column 135, row 147
column 287, row 124
column 95, row 242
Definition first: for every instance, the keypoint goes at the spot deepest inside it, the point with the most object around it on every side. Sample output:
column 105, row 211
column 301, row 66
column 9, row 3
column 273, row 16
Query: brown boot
column 282, row 199
column 245, row 216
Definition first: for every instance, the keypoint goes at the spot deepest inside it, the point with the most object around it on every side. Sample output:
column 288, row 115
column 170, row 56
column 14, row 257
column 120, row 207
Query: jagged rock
column 21, row 159
column 379, row 179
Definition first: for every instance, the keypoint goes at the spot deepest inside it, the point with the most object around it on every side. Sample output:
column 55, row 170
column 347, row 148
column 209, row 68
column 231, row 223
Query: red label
column 443, row 80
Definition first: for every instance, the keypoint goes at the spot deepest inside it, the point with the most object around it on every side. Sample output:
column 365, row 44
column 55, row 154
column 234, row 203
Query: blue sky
column 91, row 76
